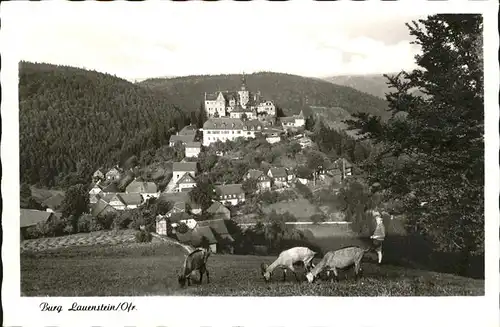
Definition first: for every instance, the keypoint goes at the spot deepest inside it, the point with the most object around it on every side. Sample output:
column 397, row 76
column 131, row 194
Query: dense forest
column 290, row 92
column 68, row 116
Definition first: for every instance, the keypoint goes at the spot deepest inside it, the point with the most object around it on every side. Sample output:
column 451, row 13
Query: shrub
column 318, row 217
column 88, row 223
column 268, row 197
column 305, row 191
column 182, row 228
column 143, row 236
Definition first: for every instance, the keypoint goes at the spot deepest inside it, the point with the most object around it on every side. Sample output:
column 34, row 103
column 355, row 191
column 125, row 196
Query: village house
column 197, row 236
column 110, row 188
column 181, row 200
column 31, row 218
column 182, row 217
column 267, row 121
column 241, row 113
column 54, row 202
column 267, row 107
column 114, row 174
column 305, row 142
column 99, row 175
column 273, row 135
column 223, row 129
column 278, row 175
column 230, row 193
column 101, row 208
column 220, row 232
column 186, row 183
column 188, row 130
column 146, row 189
column 124, row 201
column 219, row 211
column 184, row 139
column 263, row 181
column 182, row 168
column 293, row 122
column 192, row 149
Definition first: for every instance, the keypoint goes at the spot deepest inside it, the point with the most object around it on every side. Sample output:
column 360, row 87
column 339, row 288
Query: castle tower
column 243, row 93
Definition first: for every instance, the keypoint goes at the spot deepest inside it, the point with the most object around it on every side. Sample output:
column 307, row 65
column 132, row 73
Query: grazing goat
column 196, row 260
column 290, row 259
column 339, row 259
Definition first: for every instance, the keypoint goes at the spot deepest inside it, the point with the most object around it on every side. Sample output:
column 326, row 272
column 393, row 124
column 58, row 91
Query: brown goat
column 196, row 260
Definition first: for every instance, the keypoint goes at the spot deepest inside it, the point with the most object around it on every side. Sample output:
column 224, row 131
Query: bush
column 318, row 218
column 268, row 197
column 122, row 220
column 305, row 191
column 182, row 228
column 143, row 236
column 88, row 223
column 287, row 195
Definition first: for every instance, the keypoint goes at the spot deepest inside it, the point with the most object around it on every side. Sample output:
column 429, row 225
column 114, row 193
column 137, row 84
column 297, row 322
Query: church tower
column 243, row 92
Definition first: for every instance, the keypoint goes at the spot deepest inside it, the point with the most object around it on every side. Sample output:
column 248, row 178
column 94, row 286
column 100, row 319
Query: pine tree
column 432, row 148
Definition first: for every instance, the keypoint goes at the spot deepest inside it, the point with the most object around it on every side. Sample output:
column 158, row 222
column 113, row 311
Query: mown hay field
column 151, row 270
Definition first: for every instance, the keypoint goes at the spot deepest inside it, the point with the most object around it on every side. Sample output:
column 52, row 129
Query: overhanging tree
column 432, row 149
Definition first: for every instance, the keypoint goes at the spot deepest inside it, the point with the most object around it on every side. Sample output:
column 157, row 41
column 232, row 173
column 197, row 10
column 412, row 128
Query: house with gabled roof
column 182, row 168
column 279, row 176
column 184, row 139
column 219, row 211
column 188, row 130
column 181, row 200
column 230, row 193
column 110, row 188
column 53, row 203
column 192, row 149
column 31, row 218
column 101, row 208
column 124, row 201
column 186, row 183
column 263, row 181
column 145, row 189
column 99, row 175
column 221, row 233
column 197, row 236
column 114, row 174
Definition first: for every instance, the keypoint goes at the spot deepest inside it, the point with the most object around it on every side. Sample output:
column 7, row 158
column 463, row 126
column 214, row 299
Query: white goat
column 290, row 259
column 339, row 259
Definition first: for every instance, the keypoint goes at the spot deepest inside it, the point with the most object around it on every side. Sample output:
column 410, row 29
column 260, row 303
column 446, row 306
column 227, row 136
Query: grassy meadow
column 151, row 269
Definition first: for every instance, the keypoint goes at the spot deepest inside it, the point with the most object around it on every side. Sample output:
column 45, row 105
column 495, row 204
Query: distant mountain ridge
column 290, row 92
column 374, row 84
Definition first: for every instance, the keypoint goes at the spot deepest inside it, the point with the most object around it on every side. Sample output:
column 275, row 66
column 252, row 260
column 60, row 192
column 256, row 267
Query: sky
column 151, row 39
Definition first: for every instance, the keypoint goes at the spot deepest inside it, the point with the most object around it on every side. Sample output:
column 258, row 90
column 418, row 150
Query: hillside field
column 151, row 269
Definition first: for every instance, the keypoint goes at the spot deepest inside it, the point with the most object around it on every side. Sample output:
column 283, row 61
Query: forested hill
column 69, row 116
column 287, row 91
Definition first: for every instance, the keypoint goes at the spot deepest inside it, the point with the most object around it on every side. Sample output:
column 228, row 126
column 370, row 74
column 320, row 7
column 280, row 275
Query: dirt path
column 188, row 248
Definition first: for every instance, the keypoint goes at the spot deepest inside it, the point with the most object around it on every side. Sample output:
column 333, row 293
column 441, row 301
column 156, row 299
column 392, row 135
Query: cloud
column 214, row 39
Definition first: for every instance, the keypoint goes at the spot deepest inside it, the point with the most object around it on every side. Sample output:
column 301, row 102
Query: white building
column 222, row 103
column 192, row 149
column 181, row 168
column 267, row 107
column 295, row 121
column 223, row 129
column 186, row 183
column 230, row 193
column 146, row 189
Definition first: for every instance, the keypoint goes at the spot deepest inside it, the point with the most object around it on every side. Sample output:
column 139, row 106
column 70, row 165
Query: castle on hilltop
column 238, row 104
